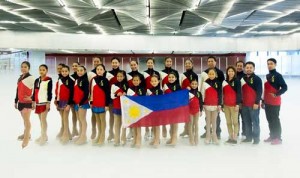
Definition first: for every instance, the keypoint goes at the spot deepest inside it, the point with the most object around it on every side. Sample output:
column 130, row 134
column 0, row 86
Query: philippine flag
column 155, row 110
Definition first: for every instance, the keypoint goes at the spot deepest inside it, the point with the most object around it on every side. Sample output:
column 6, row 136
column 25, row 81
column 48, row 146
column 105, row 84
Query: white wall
column 179, row 44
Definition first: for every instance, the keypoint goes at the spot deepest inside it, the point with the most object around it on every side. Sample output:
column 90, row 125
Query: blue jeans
column 252, row 127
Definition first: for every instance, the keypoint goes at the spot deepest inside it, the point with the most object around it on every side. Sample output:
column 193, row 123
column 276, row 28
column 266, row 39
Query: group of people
column 240, row 94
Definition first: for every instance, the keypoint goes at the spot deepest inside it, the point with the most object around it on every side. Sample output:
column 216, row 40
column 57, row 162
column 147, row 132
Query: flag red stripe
column 165, row 117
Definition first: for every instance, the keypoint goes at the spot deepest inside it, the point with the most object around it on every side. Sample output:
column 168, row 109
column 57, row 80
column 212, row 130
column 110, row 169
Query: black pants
column 243, row 123
column 272, row 114
column 218, row 131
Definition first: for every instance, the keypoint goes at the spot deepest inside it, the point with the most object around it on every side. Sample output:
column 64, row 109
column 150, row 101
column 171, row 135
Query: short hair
column 44, row 65
column 240, row 62
column 250, row 63
column 212, row 57
column 26, row 63
column 273, row 60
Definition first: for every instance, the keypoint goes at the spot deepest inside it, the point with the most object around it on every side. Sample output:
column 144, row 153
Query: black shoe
column 255, row 142
column 203, row 135
column 247, row 140
column 229, row 141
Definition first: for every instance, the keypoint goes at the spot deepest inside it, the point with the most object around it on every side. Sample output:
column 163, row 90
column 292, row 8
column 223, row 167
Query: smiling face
column 133, row 65
column 154, row 81
column 249, row 69
column 64, row 72
column 150, row 64
column 74, row 66
column 188, row 65
column 115, row 63
column 120, row 77
column 239, row 66
column 100, row 70
column 96, row 61
column 194, row 84
column 211, row 63
column 230, row 73
column 58, row 69
column 168, row 62
column 211, row 74
column 136, row 81
column 171, row 78
column 24, row 68
column 80, row 71
column 43, row 71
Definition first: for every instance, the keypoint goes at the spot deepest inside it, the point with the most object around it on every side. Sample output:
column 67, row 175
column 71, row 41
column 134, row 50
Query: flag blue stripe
column 163, row 102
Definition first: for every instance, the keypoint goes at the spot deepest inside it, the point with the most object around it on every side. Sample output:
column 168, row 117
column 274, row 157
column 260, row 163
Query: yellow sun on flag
column 134, row 112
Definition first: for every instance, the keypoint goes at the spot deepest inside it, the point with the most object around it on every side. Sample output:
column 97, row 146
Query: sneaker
column 203, row 135
column 247, row 140
column 234, row 142
column 276, row 142
column 268, row 139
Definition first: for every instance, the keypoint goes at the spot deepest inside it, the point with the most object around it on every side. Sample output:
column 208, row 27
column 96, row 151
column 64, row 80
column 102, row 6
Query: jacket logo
column 191, row 77
column 174, row 88
column 251, row 80
column 232, row 84
column 198, row 95
column 80, row 83
column 101, row 83
column 156, row 92
column 216, row 85
column 273, row 79
column 140, row 92
column 67, row 82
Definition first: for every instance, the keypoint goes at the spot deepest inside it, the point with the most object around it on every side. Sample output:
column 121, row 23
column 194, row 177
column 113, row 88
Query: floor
column 54, row 159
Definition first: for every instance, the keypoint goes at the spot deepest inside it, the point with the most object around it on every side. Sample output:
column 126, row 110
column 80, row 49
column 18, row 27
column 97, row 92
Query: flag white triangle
column 132, row 111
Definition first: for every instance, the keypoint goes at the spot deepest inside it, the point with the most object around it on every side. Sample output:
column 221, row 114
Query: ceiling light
column 219, row 19
column 97, row 4
column 129, row 32
column 6, row 21
column 80, row 32
column 202, row 28
column 61, row 3
column 67, row 51
column 99, row 29
column 271, row 11
column 221, row 32
column 2, row 28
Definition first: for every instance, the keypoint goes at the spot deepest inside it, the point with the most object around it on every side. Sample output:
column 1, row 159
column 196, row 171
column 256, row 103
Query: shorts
column 40, row 109
column 98, row 110
column 117, row 111
column 85, row 106
column 62, row 104
column 22, row 106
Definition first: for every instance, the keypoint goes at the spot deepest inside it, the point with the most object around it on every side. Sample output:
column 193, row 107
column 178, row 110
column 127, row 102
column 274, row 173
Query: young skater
column 196, row 108
column 164, row 80
column 112, row 78
column 23, row 100
column 251, row 96
column 42, row 96
column 64, row 99
column 155, row 90
column 91, row 75
column 150, row 72
column 212, row 96
column 231, row 103
column 185, row 81
column 100, row 97
column 58, row 70
column 136, row 90
column 170, row 87
column 134, row 65
column 74, row 76
column 81, row 96
column 117, row 90
column 275, row 86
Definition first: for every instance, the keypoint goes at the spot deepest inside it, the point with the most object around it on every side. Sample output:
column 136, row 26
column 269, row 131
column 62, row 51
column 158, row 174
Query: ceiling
column 220, row 18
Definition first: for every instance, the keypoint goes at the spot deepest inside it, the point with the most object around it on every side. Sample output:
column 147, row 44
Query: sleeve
column 238, row 92
column 143, row 81
column 71, row 88
column 91, row 90
column 220, row 96
column 258, row 90
column 34, row 87
column 49, row 92
column 107, row 93
column 177, row 76
column 283, row 86
column 221, row 77
column 112, row 91
column 56, row 90
column 16, row 98
column 86, row 92
column 201, row 101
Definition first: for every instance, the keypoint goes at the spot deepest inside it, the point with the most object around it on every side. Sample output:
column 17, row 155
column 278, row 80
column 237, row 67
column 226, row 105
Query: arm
column 49, row 92
column 200, row 101
column 258, row 87
column 220, row 96
column 238, row 92
column 85, row 87
column 283, row 86
column 71, row 88
column 107, row 92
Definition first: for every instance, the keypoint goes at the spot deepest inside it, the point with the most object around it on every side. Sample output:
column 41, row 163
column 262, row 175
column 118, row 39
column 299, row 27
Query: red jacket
column 65, row 89
column 24, row 88
column 212, row 92
column 119, row 87
column 81, row 90
column 100, row 92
